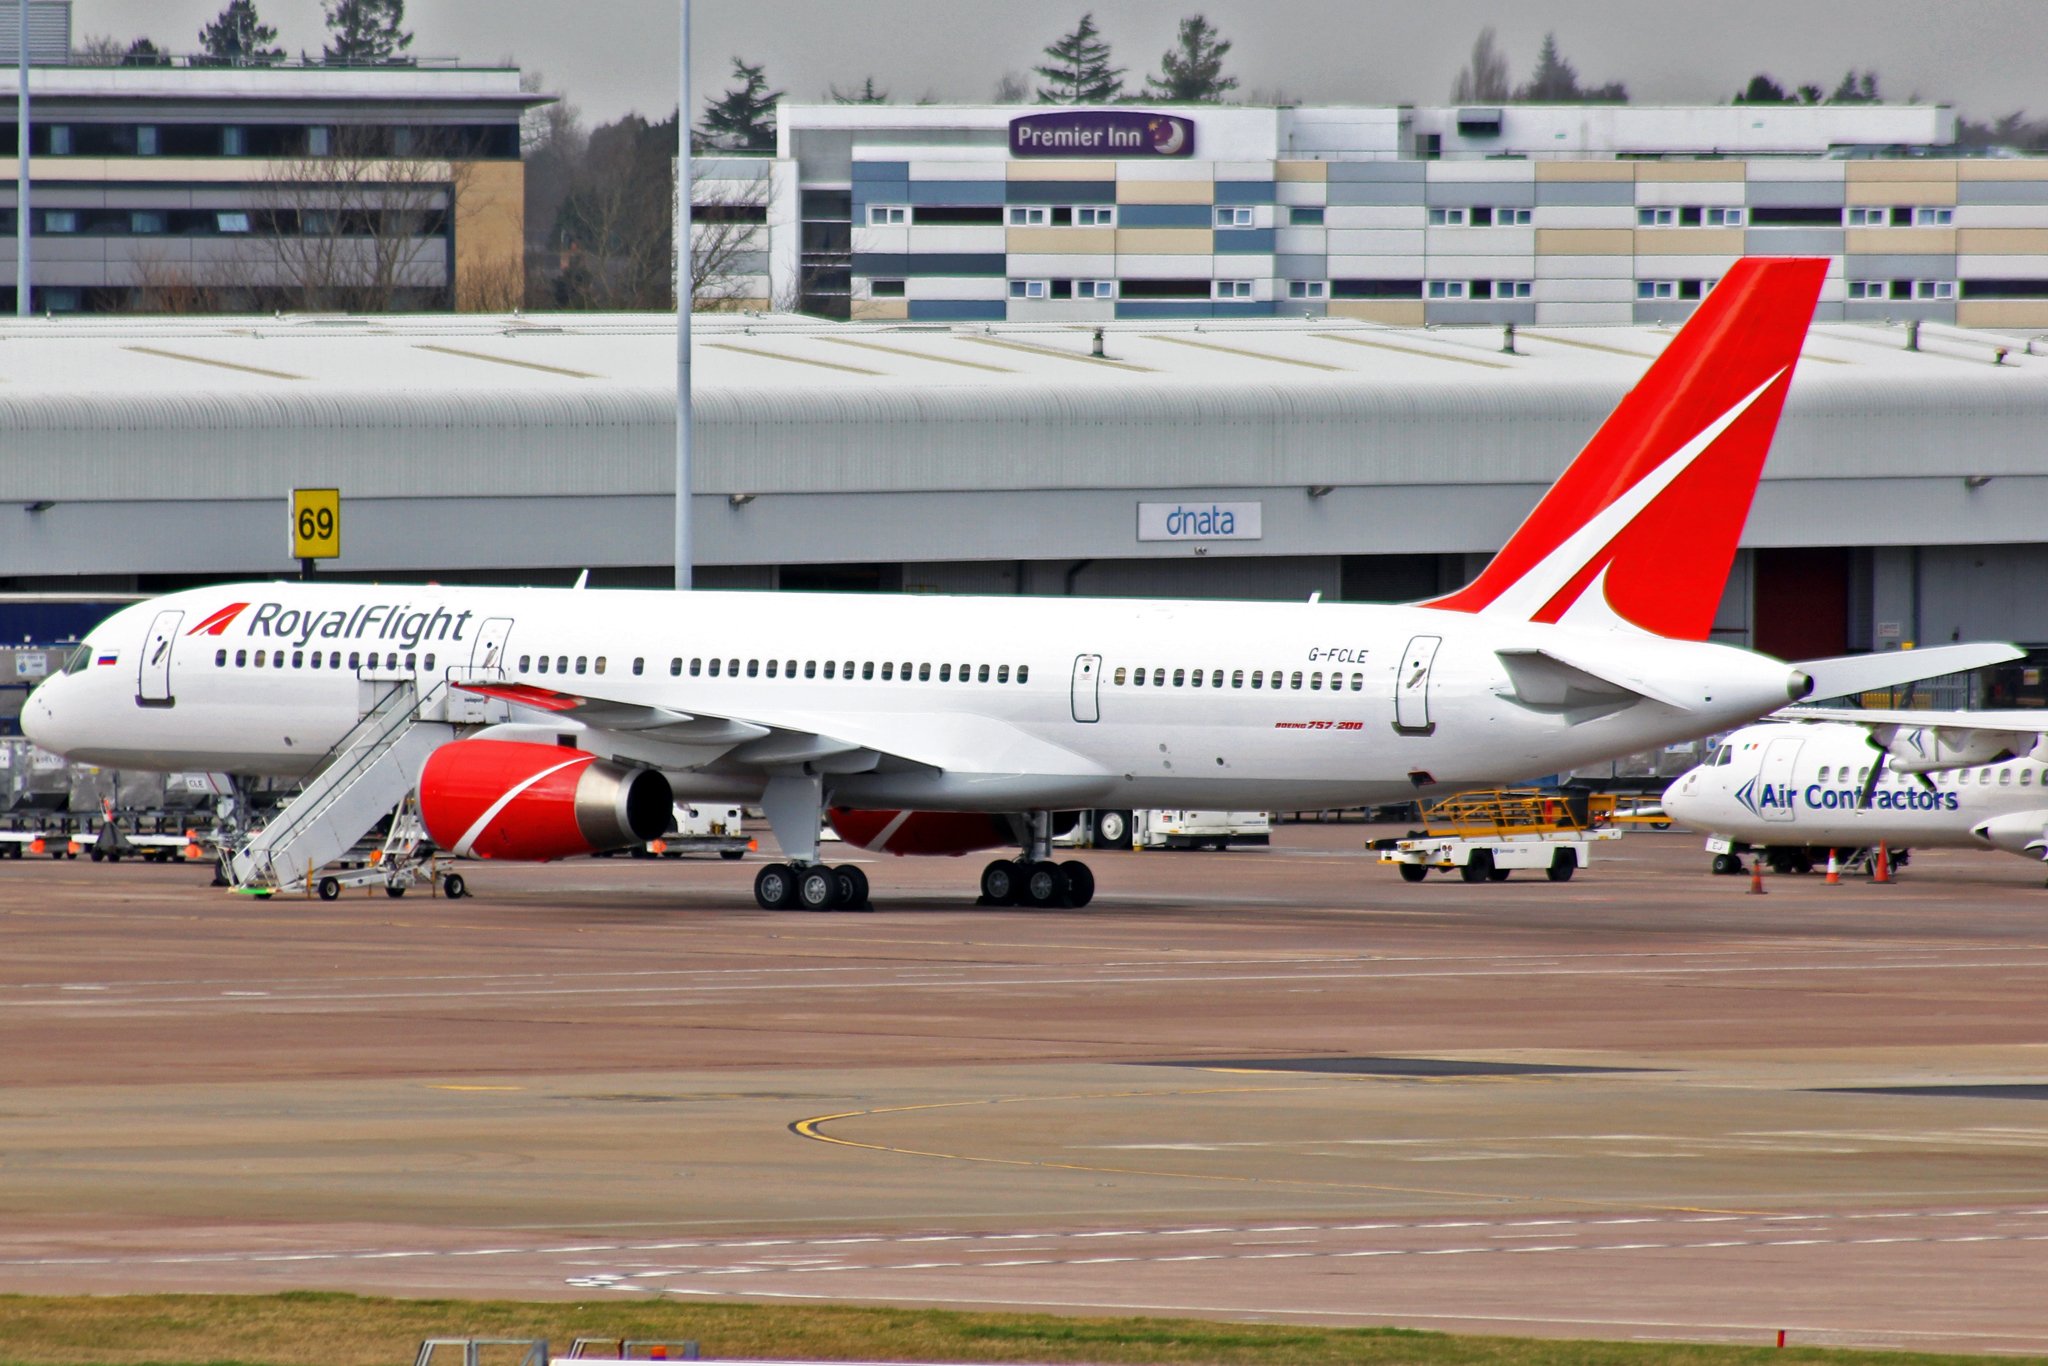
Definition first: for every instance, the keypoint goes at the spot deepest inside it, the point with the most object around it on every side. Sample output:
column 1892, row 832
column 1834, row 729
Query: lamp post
column 21, row 214
column 686, row 286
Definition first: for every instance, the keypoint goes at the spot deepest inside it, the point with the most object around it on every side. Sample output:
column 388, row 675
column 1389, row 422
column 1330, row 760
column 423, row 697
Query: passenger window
column 1180, row 677
column 1237, row 678
column 355, row 660
column 831, row 670
column 2026, row 777
column 1194, row 678
column 789, row 669
column 888, row 671
column 2004, row 776
column 754, row 668
column 846, row 670
column 561, row 664
column 1863, row 774
column 945, row 673
column 259, row 658
column 639, row 665
column 543, row 665
column 1003, row 674
column 924, row 673
column 982, row 675
column 525, row 663
column 411, row 660
column 1216, row 678
column 1258, row 678
column 1159, row 678
column 391, row 660
column 811, row 669
column 314, row 660
column 867, row 671
column 773, row 665
column 430, row 662
column 1023, row 673
column 598, row 667
column 241, row 659
column 1823, row 773
column 220, row 659
column 715, row 666
column 1297, row 680
column 1138, row 679
column 1315, row 681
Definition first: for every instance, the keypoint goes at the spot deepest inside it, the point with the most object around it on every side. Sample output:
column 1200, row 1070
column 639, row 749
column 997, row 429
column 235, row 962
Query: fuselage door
column 1775, row 785
column 1087, row 682
column 153, row 681
column 1411, row 689
column 488, row 651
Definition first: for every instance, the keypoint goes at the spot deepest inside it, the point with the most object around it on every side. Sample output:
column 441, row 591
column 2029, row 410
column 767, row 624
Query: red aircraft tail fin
column 1640, row 530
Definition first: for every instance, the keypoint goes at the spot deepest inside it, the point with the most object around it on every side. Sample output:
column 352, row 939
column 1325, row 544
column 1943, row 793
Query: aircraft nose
column 1677, row 797
column 39, row 720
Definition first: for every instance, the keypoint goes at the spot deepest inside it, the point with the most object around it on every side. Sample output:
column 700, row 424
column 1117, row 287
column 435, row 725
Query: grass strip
column 313, row 1328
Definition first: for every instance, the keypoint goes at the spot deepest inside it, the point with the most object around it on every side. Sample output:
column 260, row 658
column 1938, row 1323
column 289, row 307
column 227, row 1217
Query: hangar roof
column 297, row 354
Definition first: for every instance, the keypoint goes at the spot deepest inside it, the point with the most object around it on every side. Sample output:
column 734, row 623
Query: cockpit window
column 76, row 661
column 1724, row 755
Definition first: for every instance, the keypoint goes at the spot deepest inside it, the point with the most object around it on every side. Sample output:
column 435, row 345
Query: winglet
column 1640, row 530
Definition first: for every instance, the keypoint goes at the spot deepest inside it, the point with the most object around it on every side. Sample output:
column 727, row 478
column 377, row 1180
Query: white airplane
column 1808, row 781
column 939, row 725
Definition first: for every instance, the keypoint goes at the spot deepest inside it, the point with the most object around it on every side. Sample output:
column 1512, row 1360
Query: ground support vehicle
column 1487, row 836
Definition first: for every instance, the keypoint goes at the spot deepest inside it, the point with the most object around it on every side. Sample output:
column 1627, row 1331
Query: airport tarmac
column 1277, row 1085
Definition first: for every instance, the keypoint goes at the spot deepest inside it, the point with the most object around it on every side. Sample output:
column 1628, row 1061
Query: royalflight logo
column 218, row 623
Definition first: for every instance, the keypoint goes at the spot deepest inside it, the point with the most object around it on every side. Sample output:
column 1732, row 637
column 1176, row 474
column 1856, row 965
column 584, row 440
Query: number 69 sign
column 316, row 524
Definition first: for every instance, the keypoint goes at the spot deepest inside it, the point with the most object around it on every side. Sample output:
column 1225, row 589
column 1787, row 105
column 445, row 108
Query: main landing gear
column 1035, row 880
column 794, row 804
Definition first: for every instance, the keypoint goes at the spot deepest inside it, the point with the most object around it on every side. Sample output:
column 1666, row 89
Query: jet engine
column 2017, row 832
column 512, row 799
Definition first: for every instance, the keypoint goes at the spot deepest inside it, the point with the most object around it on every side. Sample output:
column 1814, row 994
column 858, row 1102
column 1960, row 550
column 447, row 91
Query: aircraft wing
column 1918, row 741
column 835, row 741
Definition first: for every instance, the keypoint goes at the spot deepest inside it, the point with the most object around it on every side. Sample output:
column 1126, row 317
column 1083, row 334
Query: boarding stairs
column 367, row 775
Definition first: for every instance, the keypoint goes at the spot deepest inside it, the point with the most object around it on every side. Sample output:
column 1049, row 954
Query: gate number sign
column 316, row 524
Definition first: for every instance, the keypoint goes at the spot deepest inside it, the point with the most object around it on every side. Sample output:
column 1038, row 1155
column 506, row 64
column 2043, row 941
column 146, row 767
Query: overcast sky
column 611, row 56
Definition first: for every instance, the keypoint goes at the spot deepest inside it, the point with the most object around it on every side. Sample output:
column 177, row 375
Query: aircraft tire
column 817, row 888
column 1044, row 885
column 1001, row 882
column 853, row 887
column 1727, row 865
column 775, row 887
column 1080, row 884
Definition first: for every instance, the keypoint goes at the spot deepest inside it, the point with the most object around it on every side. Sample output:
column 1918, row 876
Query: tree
column 143, row 52
column 1855, row 89
column 100, row 49
column 238, row 38
column 864, row 93
column 743, row 118
column 1763, row 90
column 366, row 32
column 1011, row 88
column 1809, row 94
column 1191, row 71
column 1485, row 77
column 1077, row 70
column 1556, row 81
column 360, row 230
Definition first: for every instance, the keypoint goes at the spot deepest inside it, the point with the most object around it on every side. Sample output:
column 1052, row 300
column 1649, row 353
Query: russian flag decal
column 110, row 659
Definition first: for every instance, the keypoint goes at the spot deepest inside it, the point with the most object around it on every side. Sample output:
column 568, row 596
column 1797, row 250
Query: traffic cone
column 1881, row 871
column 1756, row 876
column 1834, row 870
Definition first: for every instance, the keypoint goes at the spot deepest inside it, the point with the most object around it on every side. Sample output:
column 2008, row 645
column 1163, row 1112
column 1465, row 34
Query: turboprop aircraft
column 1811, row 780
column 935, row 725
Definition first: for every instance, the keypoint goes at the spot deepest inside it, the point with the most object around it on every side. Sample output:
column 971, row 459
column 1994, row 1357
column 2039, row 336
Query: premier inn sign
column 1102, row 133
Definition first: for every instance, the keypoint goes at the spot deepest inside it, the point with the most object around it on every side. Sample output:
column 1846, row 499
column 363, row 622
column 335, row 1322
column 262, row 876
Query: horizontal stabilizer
column 1845, row 675
column 1546, row 679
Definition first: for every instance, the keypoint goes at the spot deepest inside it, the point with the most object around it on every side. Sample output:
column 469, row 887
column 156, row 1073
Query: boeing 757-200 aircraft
column 942, row 725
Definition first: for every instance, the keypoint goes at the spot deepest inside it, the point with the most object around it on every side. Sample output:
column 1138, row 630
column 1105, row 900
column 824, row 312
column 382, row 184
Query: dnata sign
column 1199, row 521
column 1102, row 133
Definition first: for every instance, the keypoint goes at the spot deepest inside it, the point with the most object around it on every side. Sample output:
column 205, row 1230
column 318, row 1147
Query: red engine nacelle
column 511, row 799
column 923, row 832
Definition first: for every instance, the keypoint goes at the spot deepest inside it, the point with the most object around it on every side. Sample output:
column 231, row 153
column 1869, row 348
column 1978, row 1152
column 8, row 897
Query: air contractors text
column 394, row 621
column 1820, row 798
